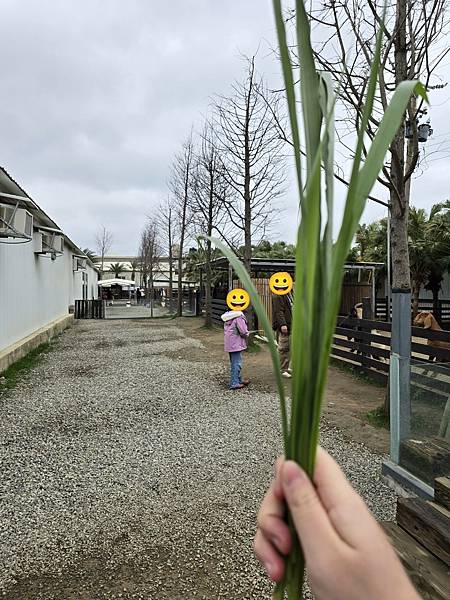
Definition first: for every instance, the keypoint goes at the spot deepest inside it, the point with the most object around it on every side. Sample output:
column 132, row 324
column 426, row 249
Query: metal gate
column 89, row 309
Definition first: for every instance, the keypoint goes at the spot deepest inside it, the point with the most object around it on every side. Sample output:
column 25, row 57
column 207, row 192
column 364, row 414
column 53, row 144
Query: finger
column 273, row 503
column 277, row 486
column 346, row 509
column 271, row 518
column 268, row 557
column 277, row 532
column 311, row 521
column 330, row 481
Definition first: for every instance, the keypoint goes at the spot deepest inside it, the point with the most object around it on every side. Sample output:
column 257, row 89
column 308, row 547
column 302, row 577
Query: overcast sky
column 97, row 96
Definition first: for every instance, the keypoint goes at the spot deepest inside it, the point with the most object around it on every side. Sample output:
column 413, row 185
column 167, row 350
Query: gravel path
column 130, row 472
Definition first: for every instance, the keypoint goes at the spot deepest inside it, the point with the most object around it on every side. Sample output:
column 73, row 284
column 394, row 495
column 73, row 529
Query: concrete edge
column 402, row 481
column 16, row 351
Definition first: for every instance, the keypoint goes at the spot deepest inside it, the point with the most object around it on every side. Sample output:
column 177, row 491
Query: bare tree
column 180, row 184
column 252, row 157
column 103, row 243
column 210, row 190
column 150, row 254
column 167, row 230
column 411, row 29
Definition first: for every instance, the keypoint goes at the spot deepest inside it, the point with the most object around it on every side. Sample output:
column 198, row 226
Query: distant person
column 281, row 324
column 235, row 342
column 347, row 555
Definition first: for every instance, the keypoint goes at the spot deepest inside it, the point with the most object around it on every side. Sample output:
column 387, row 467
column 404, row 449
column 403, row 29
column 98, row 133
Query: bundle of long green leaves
column 319, row 259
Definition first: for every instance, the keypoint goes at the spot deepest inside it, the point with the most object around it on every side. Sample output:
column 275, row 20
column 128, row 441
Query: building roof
column 282, row 264
column 116, row 281
column 11, row 192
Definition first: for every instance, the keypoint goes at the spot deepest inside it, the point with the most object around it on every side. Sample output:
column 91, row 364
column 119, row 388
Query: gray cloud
column 97, row 97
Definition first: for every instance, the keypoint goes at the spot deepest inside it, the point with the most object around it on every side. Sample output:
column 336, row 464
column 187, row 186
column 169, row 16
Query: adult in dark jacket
column 281, row 324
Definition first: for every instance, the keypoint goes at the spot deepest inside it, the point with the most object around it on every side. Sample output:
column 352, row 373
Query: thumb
column 310, row 518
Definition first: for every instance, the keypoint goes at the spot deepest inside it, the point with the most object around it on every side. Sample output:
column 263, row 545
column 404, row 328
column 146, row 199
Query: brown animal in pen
column 427, row 320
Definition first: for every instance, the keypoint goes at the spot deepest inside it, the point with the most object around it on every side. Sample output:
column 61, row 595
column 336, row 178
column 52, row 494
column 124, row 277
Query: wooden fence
column 441, row 311
column 353, row 293
column 89, row 309
column 219, row 306
column 366, row 345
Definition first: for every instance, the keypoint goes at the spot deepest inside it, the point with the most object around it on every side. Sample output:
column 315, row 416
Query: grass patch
column 378, row 417
column 13, row 374
column 356, row 373
column 211, row 327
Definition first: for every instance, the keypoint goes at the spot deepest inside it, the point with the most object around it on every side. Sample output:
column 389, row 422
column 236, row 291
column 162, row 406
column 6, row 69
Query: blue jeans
column 235, row 366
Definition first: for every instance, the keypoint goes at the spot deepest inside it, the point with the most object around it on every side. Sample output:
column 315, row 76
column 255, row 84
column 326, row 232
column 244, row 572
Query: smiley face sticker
column 280, row 283
column 238, row 299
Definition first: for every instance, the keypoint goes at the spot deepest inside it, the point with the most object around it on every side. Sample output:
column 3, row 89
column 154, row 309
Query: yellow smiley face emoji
column 238, row 299
column 280, row 283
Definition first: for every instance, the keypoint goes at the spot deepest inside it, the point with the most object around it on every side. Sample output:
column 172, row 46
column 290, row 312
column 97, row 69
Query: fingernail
column 293, row 474
column 268, row 566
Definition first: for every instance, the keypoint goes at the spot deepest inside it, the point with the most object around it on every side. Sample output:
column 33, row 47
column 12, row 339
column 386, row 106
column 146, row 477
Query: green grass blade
column 327, row 100
column 286, row 65
column 309, row 84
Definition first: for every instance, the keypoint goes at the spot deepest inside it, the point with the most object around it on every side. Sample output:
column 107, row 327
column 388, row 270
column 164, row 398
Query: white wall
column 424, row 294
column 35, row 290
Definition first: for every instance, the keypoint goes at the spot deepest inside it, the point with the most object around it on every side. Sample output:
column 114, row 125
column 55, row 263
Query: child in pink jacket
column 235, row 341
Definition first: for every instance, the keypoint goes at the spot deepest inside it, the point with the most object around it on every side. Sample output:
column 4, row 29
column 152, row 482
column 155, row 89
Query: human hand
column 284, row 329
column 347, row 555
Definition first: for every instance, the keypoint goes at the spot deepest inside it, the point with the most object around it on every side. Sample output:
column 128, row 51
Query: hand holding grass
column 347, row 555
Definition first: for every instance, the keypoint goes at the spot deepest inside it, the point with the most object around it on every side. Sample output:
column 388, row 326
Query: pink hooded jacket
column 235, row 331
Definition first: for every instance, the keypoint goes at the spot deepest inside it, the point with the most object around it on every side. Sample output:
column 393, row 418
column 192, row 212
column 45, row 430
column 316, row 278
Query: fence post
column 367, row 311
column 394, row 416
column 366, row 314
column 401, row 346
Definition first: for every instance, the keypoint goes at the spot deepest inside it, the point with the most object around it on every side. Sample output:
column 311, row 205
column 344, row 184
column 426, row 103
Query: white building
column 42, row 273
column 131, row 269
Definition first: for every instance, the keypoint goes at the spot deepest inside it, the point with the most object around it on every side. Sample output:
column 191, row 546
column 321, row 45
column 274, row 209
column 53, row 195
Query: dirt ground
column 347, row 401
column 110, row 440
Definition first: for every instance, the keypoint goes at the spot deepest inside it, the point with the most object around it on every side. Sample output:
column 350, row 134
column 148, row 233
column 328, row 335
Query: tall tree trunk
column 436, row 307
column 399, row 201
column 170, row 261
column 401, row 279
column 247, row 194
column 416, row 295
column 180, row 257
column 180, row 279
column 208, row 275
column 208, row 285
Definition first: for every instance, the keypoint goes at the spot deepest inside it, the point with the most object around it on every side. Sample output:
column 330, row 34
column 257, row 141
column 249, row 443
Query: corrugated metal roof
column 282, row 264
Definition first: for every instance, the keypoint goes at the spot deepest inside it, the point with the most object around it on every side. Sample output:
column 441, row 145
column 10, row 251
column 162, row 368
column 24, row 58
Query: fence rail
column 219, row 306
column 441, row 309
column 89, row 309
column 366, row 344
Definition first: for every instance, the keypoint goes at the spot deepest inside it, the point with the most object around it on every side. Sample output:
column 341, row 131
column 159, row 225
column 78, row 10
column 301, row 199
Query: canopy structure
column 124, row 283
column 264, row 267
column 260, row 266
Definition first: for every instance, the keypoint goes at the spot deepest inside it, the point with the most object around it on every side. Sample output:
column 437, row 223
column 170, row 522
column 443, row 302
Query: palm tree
column 429, row 249
column 371, row 242
column 134, row 266
column 90, row 254
column 117, row 269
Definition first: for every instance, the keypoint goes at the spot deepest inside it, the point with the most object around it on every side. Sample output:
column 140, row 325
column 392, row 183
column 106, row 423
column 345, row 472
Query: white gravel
column 130, row 472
